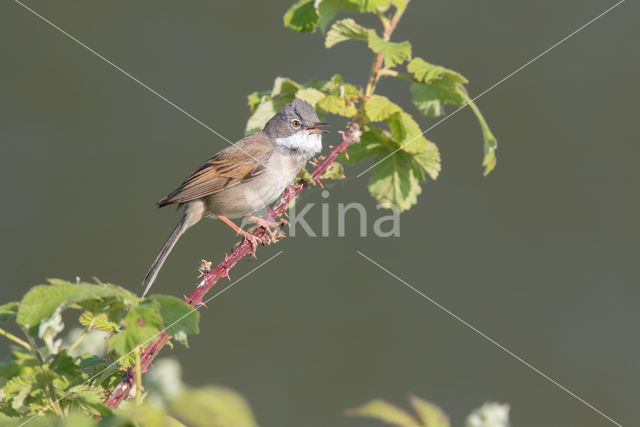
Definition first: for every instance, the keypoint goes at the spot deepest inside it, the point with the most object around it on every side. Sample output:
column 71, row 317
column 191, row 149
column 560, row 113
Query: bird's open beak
column 314, row 129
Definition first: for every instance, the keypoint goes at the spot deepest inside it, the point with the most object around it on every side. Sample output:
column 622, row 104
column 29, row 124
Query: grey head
column 296, row 129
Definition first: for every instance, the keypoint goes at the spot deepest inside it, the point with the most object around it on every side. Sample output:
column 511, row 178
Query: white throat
column 302, row 142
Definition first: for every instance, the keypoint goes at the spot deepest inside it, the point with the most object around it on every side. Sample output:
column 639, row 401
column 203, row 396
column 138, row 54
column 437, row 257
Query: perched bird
column 245, row 177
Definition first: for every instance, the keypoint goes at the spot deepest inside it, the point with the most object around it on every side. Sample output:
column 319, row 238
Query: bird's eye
column 296, row 123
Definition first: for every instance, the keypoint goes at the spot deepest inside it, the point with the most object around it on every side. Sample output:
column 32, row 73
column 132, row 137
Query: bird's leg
column 246, row 235
column 268, row 226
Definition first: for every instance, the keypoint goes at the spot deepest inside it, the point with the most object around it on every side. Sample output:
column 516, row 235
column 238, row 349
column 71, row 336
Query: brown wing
column 243, row 161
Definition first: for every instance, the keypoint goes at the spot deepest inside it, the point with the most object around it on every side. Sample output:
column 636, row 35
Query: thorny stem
column 388, row 26
column 211, row 276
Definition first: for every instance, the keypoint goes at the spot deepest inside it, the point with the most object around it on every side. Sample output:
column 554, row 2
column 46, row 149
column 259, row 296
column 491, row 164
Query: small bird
column 245, row 177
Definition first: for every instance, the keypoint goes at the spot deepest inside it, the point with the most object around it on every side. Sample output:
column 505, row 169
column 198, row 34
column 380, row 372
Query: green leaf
column 425, row 72
column 339, row 105
column 141, row 324
column 430, row 415
column 371, row 5
column 384, row 411
column 7, row 311
column 373, row 141
column 327, row 10
column 407, row 132
column 43, row 300
column 393, row 53
column 89, row 399
column 346, row 29
column 254, row 99
column 379, row 108
column 338, row 87
column 98, row 321
column 439, row 86
column 302, row 17
column 429, row 160
column 490, row 141
column 212, row 406
column 311, row 95
column 395, row 181
column 284, row 91
column 399, row 4
column 334, row 171
column 180, row 319
column 16, row 390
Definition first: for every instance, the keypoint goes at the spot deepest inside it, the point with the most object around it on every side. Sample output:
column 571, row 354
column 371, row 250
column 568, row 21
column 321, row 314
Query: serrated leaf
column 407, row 132
column 89, row 399
column 439, row 86
column 379, row 108
column 395, row 181
column 140, row 325
column 384, row 411
column 430, row 415
column 311, row 95
column 254, row 99
column 284, row 86
column 327, row 10
column 98, row 321
column 373, row 141
column 301, row 17
column 338, row 87
column 180, row 319
column 393, row 53
column 63, row 364
column 345, row 29
column 200, row 407
column 339, row 105
column 16, row 391
column 425, row 72
column 284, row 91
column 371, row 5
column 9, row 310
column 429, row 160
column 43, row 300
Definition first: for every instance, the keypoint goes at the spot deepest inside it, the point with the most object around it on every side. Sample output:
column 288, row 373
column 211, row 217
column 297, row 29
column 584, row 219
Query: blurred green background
column 542, row 255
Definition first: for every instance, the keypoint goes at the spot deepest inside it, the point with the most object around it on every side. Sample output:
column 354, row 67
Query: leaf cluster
column 60, row 379
column 392, row 139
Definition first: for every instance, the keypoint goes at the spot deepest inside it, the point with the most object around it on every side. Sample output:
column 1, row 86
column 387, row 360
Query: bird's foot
column 272, row 229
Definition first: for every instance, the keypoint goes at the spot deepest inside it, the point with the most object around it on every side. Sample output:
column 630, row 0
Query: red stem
column 211, row 277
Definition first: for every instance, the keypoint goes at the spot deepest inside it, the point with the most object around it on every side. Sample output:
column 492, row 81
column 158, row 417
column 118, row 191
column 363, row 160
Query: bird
column 245, row 177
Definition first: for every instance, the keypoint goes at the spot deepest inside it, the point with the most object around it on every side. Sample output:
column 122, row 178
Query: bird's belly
column 249, row 197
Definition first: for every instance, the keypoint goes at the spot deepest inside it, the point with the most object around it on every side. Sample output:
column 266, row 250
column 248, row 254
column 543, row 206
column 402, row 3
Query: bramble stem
column 388, row 26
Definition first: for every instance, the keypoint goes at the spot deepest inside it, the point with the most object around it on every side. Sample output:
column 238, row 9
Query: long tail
column 181, row 227
column 193, row 213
